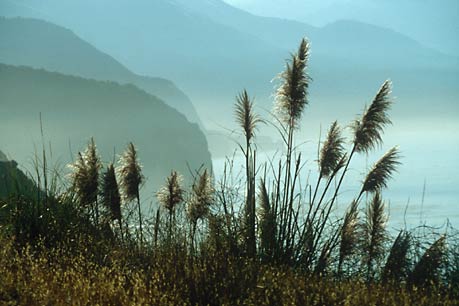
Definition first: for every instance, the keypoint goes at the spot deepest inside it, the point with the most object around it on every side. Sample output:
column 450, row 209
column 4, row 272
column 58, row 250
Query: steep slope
column 74, row 109
column 40, row 44
column 209, row 60
column 13, row 181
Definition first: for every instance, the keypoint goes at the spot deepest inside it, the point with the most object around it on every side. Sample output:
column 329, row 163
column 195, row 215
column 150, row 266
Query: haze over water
column 423, row 192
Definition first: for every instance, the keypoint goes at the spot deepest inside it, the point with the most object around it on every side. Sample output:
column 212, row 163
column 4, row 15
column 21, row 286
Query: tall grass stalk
column 170, row 196
column 349, row 235
column 111, row 197
column 85, row 177
column 201, row 198
column 374, row 235
column 248, row 121
column 291, row 100
column 367, row 132
column 131, row 178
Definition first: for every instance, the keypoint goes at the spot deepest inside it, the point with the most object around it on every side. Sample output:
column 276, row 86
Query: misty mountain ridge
column 284, row 33
column 360, row 38
column 40, row 44
column 74, row 109
column 433, row 23
column 196, row 14
column 217, row 50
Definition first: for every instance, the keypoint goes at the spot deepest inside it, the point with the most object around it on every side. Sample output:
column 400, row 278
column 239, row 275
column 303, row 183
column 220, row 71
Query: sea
column 423, row 192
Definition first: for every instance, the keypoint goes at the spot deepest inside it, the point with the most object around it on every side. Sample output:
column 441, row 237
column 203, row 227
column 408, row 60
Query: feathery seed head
column 375, row 213
column 202, row 197
column 265, row 206
column 92, row 161
column 245, row 116
column 368, row 129
column 291, row 96
column 80, row 180
column 85, row 174
column 341, row 163
column 332, row 151
column 374, row 231
column 381, row 171
column 349, row 233
column 172, row 193
column 130, row 173
column 111, row 198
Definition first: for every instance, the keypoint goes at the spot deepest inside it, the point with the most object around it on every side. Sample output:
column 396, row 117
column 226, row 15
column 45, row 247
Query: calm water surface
column 424, row 191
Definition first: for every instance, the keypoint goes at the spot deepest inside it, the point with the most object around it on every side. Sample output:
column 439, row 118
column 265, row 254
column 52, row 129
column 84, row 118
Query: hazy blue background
column 196, row 55
column 430, row 145
column 434, row 23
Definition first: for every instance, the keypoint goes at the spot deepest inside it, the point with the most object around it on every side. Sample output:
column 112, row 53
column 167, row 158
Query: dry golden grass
column 58, row 277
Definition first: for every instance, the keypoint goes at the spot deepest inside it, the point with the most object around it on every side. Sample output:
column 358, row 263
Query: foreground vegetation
column 262, row 239
column 123, row 277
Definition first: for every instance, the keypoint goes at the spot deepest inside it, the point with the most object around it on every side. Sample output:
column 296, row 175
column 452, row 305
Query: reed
column 248, row 121
column 381, row 172
column 349, row 235
column 374, row 234
column 131, row 178
column 291, row 100
column 170, row 196
column 267, row 225
column 85, row 177
column 200, row 201
column 110, row 196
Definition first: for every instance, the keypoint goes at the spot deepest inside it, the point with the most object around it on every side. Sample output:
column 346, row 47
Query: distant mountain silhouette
column 73, row 109
column 40, row 44
column 214, row 50
column 431, row 22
